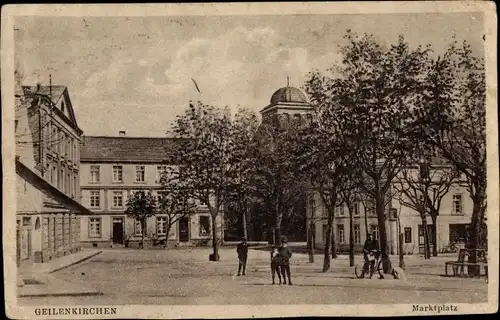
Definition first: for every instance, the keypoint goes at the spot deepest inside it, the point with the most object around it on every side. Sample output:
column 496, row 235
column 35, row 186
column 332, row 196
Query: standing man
column 370, row 245
column 285, row 253
column 242, row 250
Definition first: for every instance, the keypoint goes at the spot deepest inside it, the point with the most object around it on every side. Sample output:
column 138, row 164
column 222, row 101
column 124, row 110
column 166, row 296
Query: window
column 341, row 233
column 357, row 233
column 160, row 170
column 356, row 208
column 62, row 139
column 95, row 227
column 61, row 182
column 69, row 183
column 68, row 148
column 73, row 142
column 458, row 233
column 339, row 210
column 62, row 106
column 75, row 186
column 95, row 199
column 457, row 204
column 94, row 174
column 53, row 137
column 15, row 127
column 117, row 199
column 309, row 118
column 54, row 174
column 408, row 235
column 161, row 226
column 375, row 232
column 297, row 119
column 140, row 173
column 204, row 226
column 370, row 207
column 161, row 195
column 117, row 174
column 138, row 228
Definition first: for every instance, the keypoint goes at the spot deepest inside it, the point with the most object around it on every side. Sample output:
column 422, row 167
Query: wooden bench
column 461, row 263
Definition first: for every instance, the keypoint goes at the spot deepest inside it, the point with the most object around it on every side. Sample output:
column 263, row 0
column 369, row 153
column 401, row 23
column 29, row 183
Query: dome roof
column 288, row 94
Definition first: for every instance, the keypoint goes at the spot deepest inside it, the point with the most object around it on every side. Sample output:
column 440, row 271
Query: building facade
column 47, row 166
column 290, row 104
column 112, row 169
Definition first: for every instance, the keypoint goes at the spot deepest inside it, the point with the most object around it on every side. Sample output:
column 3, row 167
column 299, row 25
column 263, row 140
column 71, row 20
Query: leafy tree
column 279, row 187
column 324, row 155
column 350, row 195
column 380, row 89
column 140, row 206
column 243, row 160
column 204, row 147
column 456, row 125
column 175, row 202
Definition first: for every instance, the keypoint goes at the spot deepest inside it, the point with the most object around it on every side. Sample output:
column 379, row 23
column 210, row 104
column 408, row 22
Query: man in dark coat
column 370, row 245
column 285, row 253
column 242, row 250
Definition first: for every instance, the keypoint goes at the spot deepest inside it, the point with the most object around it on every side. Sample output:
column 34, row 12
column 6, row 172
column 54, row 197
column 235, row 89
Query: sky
column 134, row 73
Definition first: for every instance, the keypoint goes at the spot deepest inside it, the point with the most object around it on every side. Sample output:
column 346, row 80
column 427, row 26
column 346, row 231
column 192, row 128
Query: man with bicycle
column 370, row 245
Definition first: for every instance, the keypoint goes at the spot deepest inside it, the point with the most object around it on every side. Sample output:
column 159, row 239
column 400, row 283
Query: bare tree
column 456, row 126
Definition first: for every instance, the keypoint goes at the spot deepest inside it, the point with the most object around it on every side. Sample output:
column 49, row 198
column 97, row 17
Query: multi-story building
column 290, row 104
column 47, row 149
column 112, row 169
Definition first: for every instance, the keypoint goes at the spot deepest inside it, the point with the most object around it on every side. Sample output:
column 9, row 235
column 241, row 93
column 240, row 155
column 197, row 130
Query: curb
column 76, row 262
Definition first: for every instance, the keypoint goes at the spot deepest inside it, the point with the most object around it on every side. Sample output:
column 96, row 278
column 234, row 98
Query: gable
column 60, row 98
column 66, row 107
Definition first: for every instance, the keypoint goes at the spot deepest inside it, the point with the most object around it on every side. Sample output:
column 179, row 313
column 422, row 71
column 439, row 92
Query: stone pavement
column 185, row 276
column 37, row 280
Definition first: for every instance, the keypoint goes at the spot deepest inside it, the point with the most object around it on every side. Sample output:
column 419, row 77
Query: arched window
column 37, row 223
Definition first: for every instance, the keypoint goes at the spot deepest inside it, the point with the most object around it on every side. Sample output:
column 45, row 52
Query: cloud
column 242, row 67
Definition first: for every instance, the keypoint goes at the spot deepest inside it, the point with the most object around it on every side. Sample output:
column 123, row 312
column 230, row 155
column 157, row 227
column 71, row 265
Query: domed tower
column 287, row 104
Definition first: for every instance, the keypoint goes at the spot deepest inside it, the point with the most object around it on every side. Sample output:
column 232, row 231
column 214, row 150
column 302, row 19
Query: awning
column 37, row 181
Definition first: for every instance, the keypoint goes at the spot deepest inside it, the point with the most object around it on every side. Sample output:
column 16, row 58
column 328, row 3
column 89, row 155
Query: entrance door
column 118, row 230
column 184, row 229
column 421, row 240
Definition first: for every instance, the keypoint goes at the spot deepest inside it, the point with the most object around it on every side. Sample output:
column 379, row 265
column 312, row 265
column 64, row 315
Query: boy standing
column 285, row 253
column 242, row 250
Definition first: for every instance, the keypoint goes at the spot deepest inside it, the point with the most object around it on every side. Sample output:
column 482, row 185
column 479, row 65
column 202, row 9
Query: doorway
column 184, row 229
column 421, row 240
column 118, row 230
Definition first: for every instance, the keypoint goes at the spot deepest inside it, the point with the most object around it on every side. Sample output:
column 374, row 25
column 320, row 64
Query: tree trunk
column 366, row 223
column 328, row 241
column 245, row 233
column 401, row 252
column 351, row 239
column 380, row 208
column 475, row 234
column 434, row 234
column 326, row 261
column 334, row 244
column 214, row 238
column 310, row 249
column 143, row 231
column 167, row 234
column 426, row 237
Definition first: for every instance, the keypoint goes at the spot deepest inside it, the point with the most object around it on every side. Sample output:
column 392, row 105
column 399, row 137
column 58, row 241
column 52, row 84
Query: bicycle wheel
column 380, row 269
column 358, row 272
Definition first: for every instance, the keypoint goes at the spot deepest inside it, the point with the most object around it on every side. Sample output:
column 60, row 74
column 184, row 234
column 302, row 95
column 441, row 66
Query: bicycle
column 375, row 261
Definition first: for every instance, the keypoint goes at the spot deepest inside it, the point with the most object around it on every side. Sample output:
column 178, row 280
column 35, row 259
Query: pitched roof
column 57, row 91
column 127, row 149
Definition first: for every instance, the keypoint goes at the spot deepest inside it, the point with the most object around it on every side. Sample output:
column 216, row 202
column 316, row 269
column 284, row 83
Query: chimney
column 121, row 133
